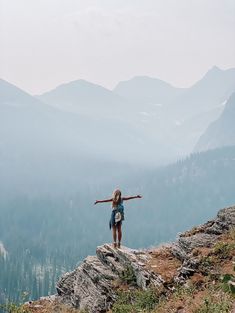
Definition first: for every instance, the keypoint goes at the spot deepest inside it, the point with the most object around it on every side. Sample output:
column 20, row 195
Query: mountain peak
column 146, row 89
column 78, row 83
column 82, row 96
column 140, row 80
column 15, row 96
column 215, row 69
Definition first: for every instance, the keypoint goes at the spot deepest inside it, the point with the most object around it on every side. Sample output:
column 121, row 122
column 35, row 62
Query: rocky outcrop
column 205, row 236
column 91, row 286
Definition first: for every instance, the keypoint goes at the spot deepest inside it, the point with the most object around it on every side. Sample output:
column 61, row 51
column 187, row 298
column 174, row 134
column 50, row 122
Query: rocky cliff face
column 220, row 133
column 93, row 285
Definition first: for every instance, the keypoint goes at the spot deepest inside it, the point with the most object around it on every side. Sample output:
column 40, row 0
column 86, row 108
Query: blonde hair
column 117, row 197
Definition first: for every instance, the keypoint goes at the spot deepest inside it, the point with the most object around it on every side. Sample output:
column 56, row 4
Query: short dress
column 119, row 208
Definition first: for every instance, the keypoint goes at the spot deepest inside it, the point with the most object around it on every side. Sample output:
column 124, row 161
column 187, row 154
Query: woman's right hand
column 96, row 201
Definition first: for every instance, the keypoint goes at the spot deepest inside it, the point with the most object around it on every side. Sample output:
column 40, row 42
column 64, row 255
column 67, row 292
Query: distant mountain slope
column 36, row 140
column 179, row 195
column 93, row 101
column 212, row 90
column 85, row 98
column 181, row 103
column 10, row 95
column 186, row 134
column 48, row 147
column 147, row 90
column 180, row 116
column 222, row 131
column 157, row 122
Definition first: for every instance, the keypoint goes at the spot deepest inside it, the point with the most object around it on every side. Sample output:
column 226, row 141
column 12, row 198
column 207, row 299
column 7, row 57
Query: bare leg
column 114, row 236
column 119, row 228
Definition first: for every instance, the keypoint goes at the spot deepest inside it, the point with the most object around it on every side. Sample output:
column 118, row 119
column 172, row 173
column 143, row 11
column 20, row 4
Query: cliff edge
column 200, row 256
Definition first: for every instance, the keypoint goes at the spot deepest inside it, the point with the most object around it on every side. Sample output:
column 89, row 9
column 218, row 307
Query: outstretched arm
column 132, row 197
column 105, row 200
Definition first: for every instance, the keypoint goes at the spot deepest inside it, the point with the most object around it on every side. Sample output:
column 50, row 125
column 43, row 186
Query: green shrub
column 128, row 276
column 181, row 291
column 135, row 301
column 146, row 300
column 206, row 264
column 223, row 249
column 227, row 283
column 215, row 306
column 84, row 311
column 232, row 233
column 14, row 308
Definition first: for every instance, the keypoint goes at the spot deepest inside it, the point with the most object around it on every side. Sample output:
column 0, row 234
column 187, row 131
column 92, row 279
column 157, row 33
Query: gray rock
column 205, row 235
column 91, row 285
column 119, row 259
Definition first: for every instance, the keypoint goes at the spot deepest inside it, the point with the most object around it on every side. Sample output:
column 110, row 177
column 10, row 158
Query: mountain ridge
column 14, row 96
column 81, row 96
column 147, row 89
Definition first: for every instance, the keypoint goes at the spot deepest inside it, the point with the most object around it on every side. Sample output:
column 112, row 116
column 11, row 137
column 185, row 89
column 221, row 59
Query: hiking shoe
column 115, row 245
column 119, row 245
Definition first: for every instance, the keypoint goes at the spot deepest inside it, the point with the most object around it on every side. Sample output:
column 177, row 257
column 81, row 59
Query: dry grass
column 197, row 229
column 203, row 290
column 45, row 306
column 164, row 263
column 185, row 303
column 195, row 302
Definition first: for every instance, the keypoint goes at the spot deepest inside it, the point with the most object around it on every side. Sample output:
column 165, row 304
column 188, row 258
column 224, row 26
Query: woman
column 117, row 215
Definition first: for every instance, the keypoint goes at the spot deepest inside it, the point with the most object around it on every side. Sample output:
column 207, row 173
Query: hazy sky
column 48, row 42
